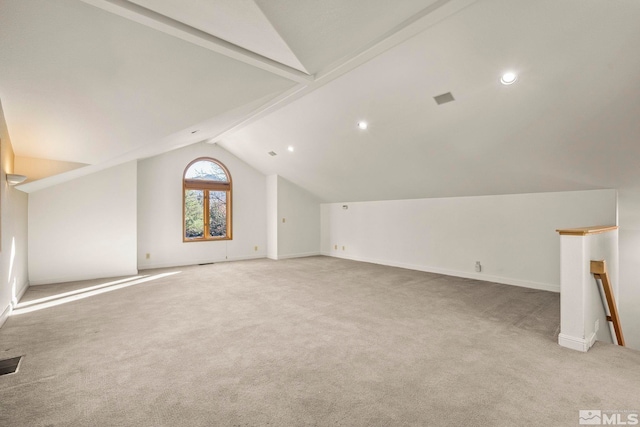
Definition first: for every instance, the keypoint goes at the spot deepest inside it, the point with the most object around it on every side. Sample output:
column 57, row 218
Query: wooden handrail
column 599, row 271
column 586, row 231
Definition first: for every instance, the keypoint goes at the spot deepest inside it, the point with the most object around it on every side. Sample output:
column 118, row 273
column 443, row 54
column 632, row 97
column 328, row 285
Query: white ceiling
column 84, row 85
column 240, row 22
column 320, row 33
column 577, row 98
column 104, row 84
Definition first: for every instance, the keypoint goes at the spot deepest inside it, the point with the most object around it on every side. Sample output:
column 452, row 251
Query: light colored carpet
column 304, row 342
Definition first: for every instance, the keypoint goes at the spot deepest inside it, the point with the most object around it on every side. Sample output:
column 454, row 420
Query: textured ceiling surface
column 89, row 81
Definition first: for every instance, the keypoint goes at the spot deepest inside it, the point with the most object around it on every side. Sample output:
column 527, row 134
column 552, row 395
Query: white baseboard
column 8, row 309
column 455, row 273
column 302, row 255
column 592, row 340
column 150, row 266
column 244, row 258
column 53, row 280
column 575, row 343
column 5, row 315
column 20, row 294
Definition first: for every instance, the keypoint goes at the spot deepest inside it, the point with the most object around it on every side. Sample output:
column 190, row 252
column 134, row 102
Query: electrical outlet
column 478, row 267
column 284, row 220
column 255, row 248
column 597, row 325
column 335, row 247
column 343, row 248
column 148, row 256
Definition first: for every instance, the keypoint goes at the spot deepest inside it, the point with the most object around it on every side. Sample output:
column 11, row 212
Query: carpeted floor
column 304, row 342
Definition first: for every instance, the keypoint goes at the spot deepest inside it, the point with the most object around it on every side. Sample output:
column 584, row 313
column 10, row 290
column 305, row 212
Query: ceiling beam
column 429, row 17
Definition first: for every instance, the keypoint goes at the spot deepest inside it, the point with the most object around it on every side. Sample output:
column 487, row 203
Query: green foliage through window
column 194, row 213
column 217, row 213
column 207, row 201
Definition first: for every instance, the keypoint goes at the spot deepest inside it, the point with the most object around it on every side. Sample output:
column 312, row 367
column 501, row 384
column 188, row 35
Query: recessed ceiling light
column 290, row 148
column 363, row 125
column 508, row 78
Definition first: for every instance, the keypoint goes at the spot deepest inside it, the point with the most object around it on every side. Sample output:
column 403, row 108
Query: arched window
column 207, row 201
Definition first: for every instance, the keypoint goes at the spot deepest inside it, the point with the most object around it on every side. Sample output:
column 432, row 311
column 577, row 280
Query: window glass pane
column 193, row 214
column 218, row 213
column 206, row 171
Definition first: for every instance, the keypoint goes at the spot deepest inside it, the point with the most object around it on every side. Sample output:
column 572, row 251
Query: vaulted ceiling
column 107, row 81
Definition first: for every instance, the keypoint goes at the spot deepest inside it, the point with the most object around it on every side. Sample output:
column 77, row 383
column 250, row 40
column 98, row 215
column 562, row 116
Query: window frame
column 205, row 187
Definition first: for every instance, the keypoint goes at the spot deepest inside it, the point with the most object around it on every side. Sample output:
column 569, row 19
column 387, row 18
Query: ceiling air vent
column 444, row 98
column 273, row 153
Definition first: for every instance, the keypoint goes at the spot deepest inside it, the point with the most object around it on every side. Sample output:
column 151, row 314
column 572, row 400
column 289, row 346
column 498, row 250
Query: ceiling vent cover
column 444, row 98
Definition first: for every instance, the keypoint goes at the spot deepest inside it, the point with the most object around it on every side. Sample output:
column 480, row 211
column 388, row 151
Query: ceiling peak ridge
column 275, row 30
column 164, row 24
column 427, row 18
column 411, row 27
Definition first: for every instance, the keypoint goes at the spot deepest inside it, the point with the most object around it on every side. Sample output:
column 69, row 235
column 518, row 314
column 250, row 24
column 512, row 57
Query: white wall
column 160, row 211
column 85, row 228
column 13, row 230
column 629, row 247
column 581, row 302
column 272, row 216
column 299, row 233
column 513, row 236
column 293, row 220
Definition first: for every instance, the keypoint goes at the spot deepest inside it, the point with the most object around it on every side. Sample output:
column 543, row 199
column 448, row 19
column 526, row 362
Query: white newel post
column 582, row 314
